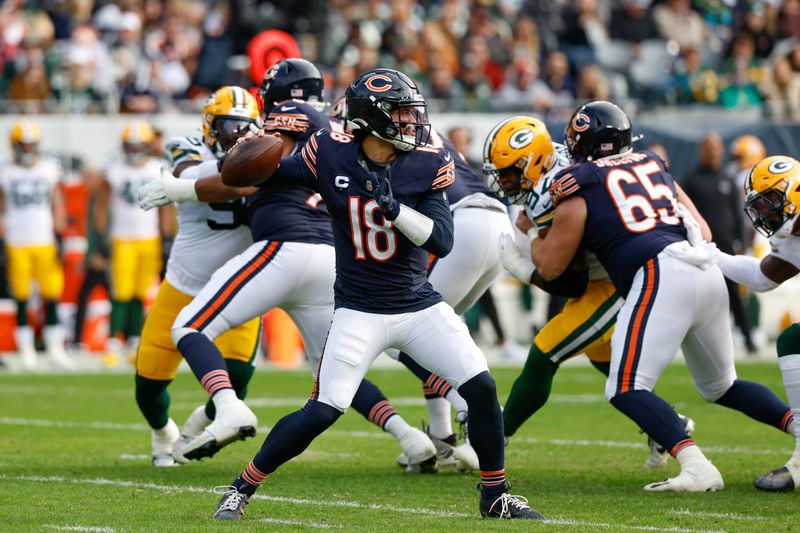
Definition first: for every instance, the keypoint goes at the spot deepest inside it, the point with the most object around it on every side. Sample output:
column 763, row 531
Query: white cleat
column 235, row 421
column 25, row 347
column 420, row 452
column 27, row 359
column 659, row 457
column 54, row 341
column 697, row 478
column 466, row 458
column 162, row 441
column 193, row 426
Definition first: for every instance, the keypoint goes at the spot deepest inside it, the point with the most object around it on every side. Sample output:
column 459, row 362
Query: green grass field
column 74, row 456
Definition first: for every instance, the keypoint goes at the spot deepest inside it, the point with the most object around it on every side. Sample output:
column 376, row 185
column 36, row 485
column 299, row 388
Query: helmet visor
column 766, row 211
column 229, row 129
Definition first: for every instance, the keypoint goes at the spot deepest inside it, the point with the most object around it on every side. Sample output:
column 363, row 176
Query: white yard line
column 568, row 522
column 430, row 513
column 282, row 499
column 725, row 516
column 7, row 421
column 298, row 523
column 80, row 528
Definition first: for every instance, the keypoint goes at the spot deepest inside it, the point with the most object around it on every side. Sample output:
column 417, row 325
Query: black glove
column 383, row 195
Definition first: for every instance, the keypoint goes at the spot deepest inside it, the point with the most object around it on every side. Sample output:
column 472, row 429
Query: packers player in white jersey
column 135, row 235
column 33, row 214
column 521, row 161
column 772, row 202
column 208, row 235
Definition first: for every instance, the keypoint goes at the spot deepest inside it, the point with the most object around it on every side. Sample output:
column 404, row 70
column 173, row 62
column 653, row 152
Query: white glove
column 165, row 190
column 513, row 260
column 693, row 232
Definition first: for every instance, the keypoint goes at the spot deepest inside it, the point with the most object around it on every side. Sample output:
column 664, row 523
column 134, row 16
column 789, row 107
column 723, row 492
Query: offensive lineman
column 623, row 206
column 33, row 214
column 208, row 235
column 383, row 233
column 772, row 198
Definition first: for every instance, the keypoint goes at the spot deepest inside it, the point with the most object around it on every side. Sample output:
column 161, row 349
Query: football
column 252, row 161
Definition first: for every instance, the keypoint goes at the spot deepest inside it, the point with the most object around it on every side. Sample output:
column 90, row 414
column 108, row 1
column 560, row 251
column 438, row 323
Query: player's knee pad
column 180, row 332
column 339, row 396
column 480, row 388
column 713, row 391
column 788, row 342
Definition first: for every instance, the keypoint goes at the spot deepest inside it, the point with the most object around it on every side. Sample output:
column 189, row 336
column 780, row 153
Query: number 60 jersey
column 631, row 202
column 208, row 234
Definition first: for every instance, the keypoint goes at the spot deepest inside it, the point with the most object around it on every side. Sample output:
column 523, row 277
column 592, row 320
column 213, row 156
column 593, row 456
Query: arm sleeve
column 745, row 270
column 434, row 205
column 570, row 284
column 292, row 172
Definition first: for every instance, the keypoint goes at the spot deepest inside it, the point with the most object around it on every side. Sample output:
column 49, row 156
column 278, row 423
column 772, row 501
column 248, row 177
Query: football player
column 623, row 206
column 461, row 277
column 521, row 161
column 208, row 235
column 772, row 197
column 33, row 216
column 385, row 191
column 135, row 235
column 290, row 265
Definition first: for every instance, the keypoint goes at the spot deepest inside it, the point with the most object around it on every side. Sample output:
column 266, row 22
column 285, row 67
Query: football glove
column 513, row 260
column 165, row 190
column 693, row 232
column 383, row 195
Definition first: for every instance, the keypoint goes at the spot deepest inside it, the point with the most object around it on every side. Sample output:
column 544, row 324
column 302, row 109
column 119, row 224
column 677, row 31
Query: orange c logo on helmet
column 581, row 122
column 370, row 83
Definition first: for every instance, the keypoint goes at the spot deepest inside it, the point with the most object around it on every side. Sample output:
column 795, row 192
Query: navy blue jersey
column 468, row 181
column 378, row 270
column 293, row 214
column 630, row 203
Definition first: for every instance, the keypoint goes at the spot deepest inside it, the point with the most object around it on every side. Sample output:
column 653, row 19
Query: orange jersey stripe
column 234, row 284
column 637, row 325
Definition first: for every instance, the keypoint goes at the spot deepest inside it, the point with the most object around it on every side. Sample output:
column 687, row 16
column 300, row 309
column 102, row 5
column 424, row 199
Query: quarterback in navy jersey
column 385, row 192
column 289, row 265
column 623, row 206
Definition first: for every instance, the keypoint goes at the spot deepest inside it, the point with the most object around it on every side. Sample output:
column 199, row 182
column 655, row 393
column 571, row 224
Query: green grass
column 73, row 453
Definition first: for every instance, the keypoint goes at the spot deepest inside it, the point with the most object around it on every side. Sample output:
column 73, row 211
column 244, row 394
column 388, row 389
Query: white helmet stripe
column 238, row 96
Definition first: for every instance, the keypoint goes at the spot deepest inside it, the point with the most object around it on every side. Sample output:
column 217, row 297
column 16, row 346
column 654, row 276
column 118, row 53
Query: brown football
column 252, row 161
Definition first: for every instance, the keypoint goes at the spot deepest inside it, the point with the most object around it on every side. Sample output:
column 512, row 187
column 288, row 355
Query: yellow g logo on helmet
column 521, row 142
column 226, row 116
column 772, row 192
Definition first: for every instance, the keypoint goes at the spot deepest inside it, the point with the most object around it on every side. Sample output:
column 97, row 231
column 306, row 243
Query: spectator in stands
column 794, row 58
column 719, row 200
column 522, row 88
column 676, row 21
column 632, row 22
column 755, row 26
column 741, row 74
column 477, row 93
column 693, row 82
column 30, row 85
column 526, row 45
column 781, row 92
column 584, row 27
column 560, row 86
column 443, row 91
column 592, row 84
column 436, row 44
column 789, row 19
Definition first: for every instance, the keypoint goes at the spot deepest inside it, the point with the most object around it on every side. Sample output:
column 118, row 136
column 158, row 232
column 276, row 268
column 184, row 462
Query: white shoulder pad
column 183, row 149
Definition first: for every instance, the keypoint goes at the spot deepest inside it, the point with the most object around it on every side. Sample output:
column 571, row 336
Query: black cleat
column 232, row 504
column 509, row 507
column 779, row 480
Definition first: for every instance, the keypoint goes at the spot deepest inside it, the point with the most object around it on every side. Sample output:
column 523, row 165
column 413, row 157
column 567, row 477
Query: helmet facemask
column 26, row 154
column 227, row 130
column 770, row 210
column 507, row 183
column 406, row 126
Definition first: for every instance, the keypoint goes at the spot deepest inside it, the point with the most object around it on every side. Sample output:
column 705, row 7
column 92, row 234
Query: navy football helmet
column 372, row 98
column 288, row 79
column 598, row 129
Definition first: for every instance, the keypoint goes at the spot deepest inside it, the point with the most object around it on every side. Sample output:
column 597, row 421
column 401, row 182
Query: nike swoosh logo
column 288, row 108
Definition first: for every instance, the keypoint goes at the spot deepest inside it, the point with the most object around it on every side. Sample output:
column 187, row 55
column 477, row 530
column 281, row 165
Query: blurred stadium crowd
column 146, row 56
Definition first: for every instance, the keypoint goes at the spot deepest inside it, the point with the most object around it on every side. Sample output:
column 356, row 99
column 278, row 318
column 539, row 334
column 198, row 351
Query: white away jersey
column 28, row 195
column 208, row 234
column 786, row 246
column 128, row 220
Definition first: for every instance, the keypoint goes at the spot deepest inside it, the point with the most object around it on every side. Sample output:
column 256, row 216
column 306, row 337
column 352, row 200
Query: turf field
column 74, row 456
